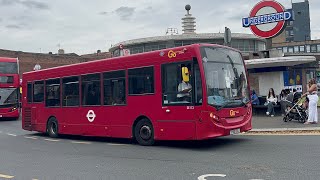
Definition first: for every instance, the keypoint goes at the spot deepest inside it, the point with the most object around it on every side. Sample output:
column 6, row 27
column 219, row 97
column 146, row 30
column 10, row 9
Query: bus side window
column 29, row 92
column 53, row 93
column 141, row 81
column 38, row 91
column 114, row 88
column 70, row 91
column 177, row 83
column 91, row 89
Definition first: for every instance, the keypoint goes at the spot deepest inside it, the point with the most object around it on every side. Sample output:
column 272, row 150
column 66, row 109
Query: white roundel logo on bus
column 267, row 18
column 91, row 115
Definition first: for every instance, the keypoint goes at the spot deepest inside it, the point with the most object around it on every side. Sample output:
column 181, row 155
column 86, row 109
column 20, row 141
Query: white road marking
column 6, row 176
column 115, row 144
column 203, row 177
column 281, row 134
column 80, row 142
column 11, row 134
column 31, row 137
column 52, row 140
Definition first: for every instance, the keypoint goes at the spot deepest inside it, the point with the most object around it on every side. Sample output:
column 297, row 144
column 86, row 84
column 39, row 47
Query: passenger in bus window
column 184, row 88
column 92, row 98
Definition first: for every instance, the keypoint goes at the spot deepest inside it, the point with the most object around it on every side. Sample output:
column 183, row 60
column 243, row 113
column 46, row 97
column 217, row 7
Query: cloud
column 13, row 26
column 28, row 3
column 35, row 4
column 125, row 13
column 8, row 2
column 103, row 13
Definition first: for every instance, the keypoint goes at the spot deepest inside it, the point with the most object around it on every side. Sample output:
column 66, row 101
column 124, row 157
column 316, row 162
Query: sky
column 83, row 26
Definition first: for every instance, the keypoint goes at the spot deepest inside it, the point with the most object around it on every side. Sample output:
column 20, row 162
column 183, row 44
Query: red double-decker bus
column 9, row 88
column 193, row 92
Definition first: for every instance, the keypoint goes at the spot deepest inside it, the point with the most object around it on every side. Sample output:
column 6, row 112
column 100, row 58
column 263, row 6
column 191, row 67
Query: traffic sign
column 267, row 19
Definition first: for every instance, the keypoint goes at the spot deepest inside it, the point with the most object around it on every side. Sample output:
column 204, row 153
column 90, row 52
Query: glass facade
column 309, row 48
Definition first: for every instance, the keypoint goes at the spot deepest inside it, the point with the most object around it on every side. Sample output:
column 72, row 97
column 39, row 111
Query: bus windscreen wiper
column 230, row 102
column 224, row 105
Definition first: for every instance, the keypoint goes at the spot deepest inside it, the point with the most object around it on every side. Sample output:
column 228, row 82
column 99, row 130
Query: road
column 29, row 155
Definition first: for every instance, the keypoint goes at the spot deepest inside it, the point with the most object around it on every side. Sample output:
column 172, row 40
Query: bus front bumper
column 9, row 113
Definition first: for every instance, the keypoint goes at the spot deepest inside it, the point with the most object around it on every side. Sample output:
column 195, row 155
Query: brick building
column 28, row 60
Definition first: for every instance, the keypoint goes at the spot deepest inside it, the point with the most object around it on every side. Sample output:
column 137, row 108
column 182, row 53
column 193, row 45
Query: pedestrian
column 254, row 98
column 272, row 101
column 284, row 103
column 312, row 94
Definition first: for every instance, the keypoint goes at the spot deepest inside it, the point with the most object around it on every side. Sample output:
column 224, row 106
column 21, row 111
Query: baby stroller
column 297, row 112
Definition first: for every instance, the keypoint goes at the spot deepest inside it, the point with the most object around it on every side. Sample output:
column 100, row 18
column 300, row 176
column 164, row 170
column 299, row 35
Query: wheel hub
column 145, row 132
column 53, row 128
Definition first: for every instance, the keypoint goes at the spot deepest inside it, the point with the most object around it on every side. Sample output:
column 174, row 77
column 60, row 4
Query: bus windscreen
column 226, row 78
column 8, row 68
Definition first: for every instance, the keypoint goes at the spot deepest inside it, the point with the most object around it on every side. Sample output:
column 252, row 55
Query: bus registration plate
column 234, row 131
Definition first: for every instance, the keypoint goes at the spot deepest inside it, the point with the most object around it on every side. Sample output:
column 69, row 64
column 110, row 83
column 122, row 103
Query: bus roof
column 122, row 60
column 7, row 59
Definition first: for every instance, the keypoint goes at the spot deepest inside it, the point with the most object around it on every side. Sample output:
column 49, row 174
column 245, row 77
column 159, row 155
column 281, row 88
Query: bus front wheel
column 52, row 127
column 143, row 132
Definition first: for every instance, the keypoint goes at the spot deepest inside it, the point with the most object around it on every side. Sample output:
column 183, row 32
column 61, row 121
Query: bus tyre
column 143, row 132
column 52, row 128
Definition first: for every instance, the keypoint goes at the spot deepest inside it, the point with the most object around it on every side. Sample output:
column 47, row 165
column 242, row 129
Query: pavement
column 264, row 123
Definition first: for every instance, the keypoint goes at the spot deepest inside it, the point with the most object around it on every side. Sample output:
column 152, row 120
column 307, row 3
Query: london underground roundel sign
column 267, row 19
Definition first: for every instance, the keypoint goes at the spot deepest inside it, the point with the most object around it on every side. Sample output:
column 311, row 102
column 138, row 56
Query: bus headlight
column 214, row 117
column 12, row 109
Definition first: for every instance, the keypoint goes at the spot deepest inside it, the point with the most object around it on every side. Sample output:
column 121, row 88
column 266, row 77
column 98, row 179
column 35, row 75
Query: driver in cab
column 184, row 88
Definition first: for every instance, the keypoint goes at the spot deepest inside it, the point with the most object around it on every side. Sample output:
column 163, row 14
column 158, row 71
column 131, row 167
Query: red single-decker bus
column 192, row 92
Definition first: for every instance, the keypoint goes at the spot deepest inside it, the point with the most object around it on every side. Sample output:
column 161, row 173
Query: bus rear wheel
column 144, row 133
column 52, row 127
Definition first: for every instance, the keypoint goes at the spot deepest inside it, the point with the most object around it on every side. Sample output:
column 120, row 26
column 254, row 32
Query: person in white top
column 184, row 88
column 313, row 102
column 272, row 101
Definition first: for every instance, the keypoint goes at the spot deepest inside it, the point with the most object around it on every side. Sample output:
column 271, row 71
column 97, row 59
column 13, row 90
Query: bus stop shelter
column 280, row 73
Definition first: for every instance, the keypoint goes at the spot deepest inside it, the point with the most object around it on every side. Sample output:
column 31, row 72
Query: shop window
column 313, row 48
column 308, row 48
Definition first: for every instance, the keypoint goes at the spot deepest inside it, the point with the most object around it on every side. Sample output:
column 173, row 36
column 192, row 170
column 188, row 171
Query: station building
column 266, row 68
